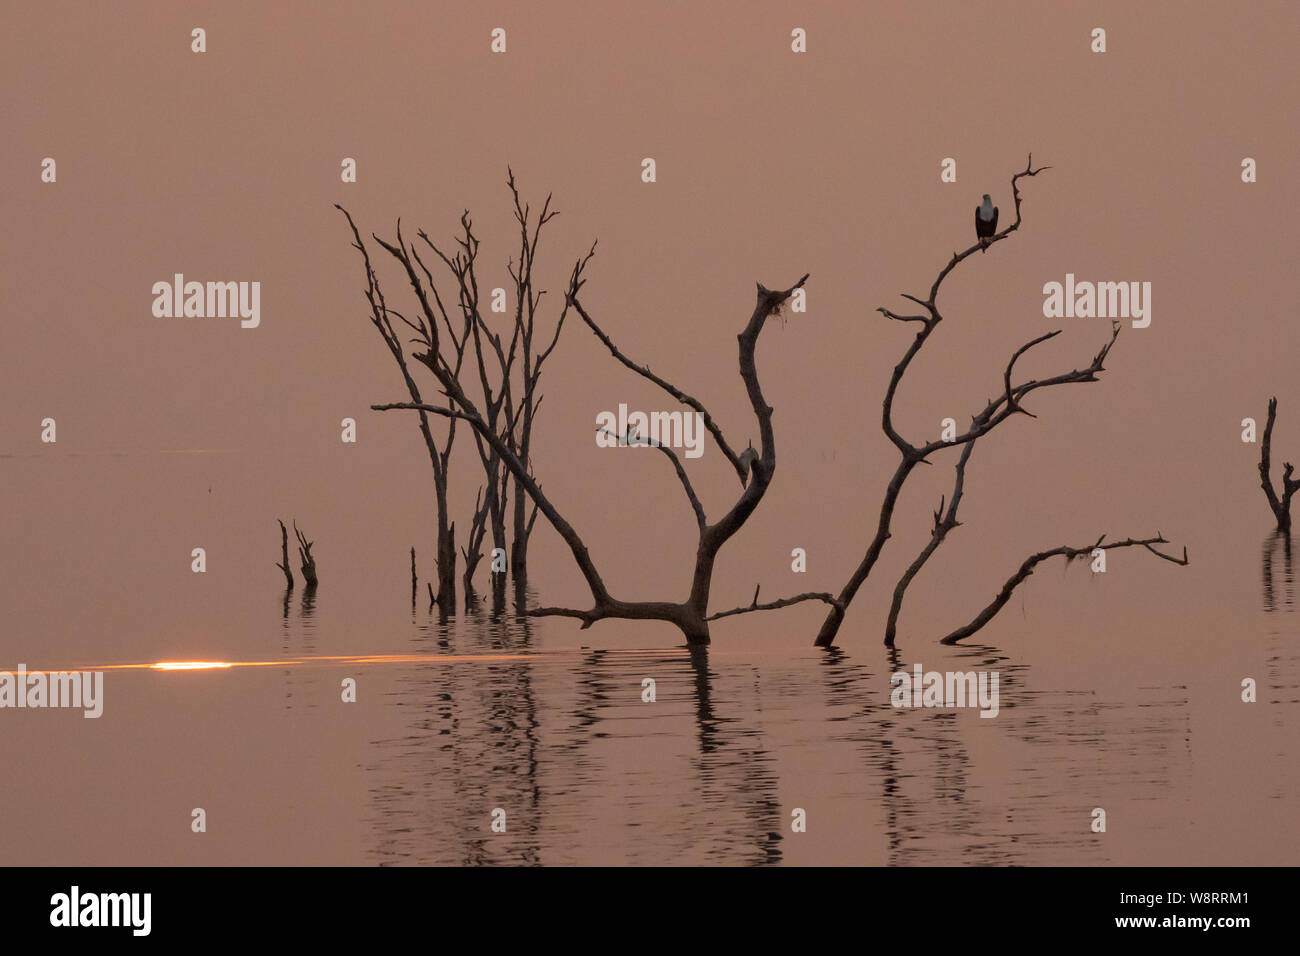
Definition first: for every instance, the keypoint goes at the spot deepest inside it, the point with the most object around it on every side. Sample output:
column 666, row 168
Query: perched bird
column 986, row 222
column 747, row 459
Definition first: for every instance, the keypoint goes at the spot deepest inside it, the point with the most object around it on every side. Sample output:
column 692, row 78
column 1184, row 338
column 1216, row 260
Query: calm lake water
column 1128, row 700
column 478, row 714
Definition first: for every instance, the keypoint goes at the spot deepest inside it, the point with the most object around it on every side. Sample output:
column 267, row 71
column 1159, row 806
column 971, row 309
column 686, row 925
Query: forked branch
column 304, row 554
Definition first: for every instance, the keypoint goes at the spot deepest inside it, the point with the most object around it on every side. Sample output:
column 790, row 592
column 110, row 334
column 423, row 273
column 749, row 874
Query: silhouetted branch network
column 690, row 615
column 995, row 412
column 427, row 336
column 502, row 413
column 507, row 367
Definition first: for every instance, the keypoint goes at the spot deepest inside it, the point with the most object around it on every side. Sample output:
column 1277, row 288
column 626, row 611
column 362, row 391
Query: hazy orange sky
column 225, row 166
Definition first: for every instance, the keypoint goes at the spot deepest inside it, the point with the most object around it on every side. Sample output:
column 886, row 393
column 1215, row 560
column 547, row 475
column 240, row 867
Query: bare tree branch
column 673, row 390
column 943, row 523
column 427, row 330
column 1002, row 408
column 993, row 414
column 1027, row 568
column 773, row 605
column 933, row 317
column 677, row 466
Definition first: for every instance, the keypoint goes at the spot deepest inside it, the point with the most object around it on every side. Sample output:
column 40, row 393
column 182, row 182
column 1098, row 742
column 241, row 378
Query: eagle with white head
column 986, row 222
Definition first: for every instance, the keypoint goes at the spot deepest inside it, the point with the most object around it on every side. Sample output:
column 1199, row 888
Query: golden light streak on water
column 292, row 662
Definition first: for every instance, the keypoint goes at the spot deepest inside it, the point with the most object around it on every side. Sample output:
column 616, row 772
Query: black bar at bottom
column 306, row 905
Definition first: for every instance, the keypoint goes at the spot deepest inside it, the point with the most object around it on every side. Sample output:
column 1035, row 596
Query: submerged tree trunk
column 519, row 546
column 284, row 556
column 1280, row 506
column 500, row 544
column 473, row 550
column 446, row 553
column 305, row 555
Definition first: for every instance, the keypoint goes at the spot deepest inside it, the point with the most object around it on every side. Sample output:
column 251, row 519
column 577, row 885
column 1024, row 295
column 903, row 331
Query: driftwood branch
column 1027, row 568
column 1281, row 506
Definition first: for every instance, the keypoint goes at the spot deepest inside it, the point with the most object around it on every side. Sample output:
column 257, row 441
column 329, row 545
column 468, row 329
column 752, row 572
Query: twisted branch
column 1027, row 568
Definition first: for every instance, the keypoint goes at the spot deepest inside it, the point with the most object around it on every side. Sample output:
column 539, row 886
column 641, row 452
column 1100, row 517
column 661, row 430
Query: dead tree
column 427, row 334
column 994, row 413
column 509, row 372
column 1281, row 506
column 305, row 556
column 284, row 556
column 532, row 359
column 945, row 521
column 754, row 469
